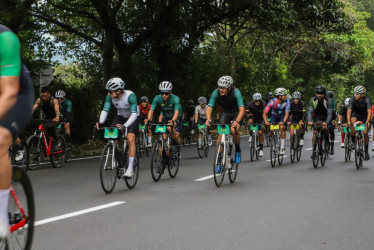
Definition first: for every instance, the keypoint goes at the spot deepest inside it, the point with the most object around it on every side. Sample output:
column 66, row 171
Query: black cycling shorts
column 122, row 120
column 227, row 118
column 360, row 117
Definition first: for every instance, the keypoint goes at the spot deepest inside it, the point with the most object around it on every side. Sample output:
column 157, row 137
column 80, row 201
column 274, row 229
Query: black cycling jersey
column 230, row 103
column 48, row 108
column 320, row 110
column 359, row 107
column 343, row 112
column 189, row 112
column 297, row 112
column 256, row 111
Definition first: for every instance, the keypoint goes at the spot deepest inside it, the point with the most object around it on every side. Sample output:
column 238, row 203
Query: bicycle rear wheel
column 174, row 160
column 218, row 160
column 358, row 153
column 233, row 170
column 24, row 163
column 157, row 162
column 58, row 158
column 131, row 181
column 36, row 149
column 21, row 212
column 108, row 168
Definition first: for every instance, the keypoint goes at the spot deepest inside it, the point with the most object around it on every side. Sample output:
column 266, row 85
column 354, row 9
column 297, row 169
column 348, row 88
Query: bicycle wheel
column 358, row 153
column 141, row 143
column 267, row 139
column 24, row 163
column 206, row 146
column 233, row 170
column 108, row 168
column 157, row 162
column 257, row 147
column 36, row 151
column 58, row 158
column 131, row 181
column 252, row 148
column 174, row 160
column 69, row 149
column 201, row 145
column 218, row 160
column 315, row 157
column 280, row 157
column 324, row 152
column 21, row 212
column 298, row 153
column 292, row 149
column 273, row 152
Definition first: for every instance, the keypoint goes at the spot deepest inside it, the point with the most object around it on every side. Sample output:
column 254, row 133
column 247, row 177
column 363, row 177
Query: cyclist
column 342, row 118
column 320, row 110
column 51, row 109
column 144, row 108
column 279, row 107
column 16, row 100
column 297, row 115
column 359, row 109
column 127, row 116
column 200, row 116
column 66, row 107
column 232, row 111
column 269, row 97
column 170, row 107
column 331, row 127
column 255, row 110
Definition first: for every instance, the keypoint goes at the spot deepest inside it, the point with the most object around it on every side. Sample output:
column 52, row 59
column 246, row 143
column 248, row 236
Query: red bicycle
column 40, row 146
column 21, row 212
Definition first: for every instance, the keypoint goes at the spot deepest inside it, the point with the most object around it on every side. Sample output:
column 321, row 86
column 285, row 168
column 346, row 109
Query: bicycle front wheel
column 35, row 147
column 315, row 156
column 273, row 152
column 157, row 161
column 201, row 145
column 174, row 161
column 219, row 168
column 131, row 182
column 325, row 152
column 347, row 150
column 233, row 170
column 252, row 148
column 21, row 212
column 141, row 144
column 358, row 153
column 58, row 158
column 108, row 168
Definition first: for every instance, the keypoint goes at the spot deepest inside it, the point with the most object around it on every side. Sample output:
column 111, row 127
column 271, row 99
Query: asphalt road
column 292, row 206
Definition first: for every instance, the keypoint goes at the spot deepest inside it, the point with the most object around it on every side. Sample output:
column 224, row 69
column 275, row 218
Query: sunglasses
column 165, row 93
column 44, row 95
column 144, row 101
column 320, row 93
column 257, row 101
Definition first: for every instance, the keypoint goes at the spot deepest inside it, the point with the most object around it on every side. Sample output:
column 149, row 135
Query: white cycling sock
column 4, row 199
column 131, row 162
column 149, row 139
column 282, row 143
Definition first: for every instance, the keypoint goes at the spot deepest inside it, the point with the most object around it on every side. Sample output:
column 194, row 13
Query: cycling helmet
column 190, row 102
column 225, row 82
column 202, row 100
column 330, row 94
column 144, row 99
column 321, row 89
column 346, row 101
column 257, row 96
column 359, row 90
column 165, row 86
column 296, row 95
column 60, row 94
column 114, row 84
column 270, row 95
column 280, row 91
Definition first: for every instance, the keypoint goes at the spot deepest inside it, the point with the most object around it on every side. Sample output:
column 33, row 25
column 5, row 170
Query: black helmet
column 190, row 102
column 321, row 89
column 269, row 94
column 330, row 94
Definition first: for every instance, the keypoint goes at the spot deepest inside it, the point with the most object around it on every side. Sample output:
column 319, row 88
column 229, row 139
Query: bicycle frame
column 24, row 219
column 47, row 145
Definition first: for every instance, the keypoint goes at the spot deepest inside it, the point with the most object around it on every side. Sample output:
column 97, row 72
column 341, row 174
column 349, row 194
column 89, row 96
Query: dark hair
column 45, row 90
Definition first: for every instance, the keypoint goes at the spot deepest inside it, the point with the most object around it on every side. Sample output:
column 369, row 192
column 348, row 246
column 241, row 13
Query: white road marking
column 285, row 156
column 205, row 178
column 309, row 149
column 85, row 211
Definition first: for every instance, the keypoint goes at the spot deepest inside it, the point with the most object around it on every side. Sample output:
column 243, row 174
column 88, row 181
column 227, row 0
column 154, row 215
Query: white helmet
column 257, row 96
column 165, row 86
column 115, row 84
column 359, row 90
column 60, row 94
column 346, row 101
column 280, row 91
column 296, row 95
column 225, row 82
column 202, row 100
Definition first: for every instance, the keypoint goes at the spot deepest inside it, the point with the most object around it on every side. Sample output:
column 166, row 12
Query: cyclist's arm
column 106, row 109
column 266, row 111
column 212, row 99
column 368, row 107
column 36, row 104
column 329, row 110
column 161, row 116
column 56, row 107
column 133, row 109
column 349, row 112
column 176, row 109
column 240, row 102
column 208, row 113
column 196, row 114
column 69, row 108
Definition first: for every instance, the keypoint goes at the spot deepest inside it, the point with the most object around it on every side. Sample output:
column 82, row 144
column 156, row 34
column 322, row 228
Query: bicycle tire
column 173, row 166
column 325, row 152
column 141, row 143
column 358, row 153
column 292, row 149
column 131, row 181
column 36, row 151
column 233, row 170
column 108, row 168
column 157, row 161
column 58, row 159
column 220, row 176
column 257, row 144
column 69, row 149
column 22, row 237
column 201, row 147
column 252, row 149
column 315, row 159
column 298, row 153
column 206, row 146
column 273, row 153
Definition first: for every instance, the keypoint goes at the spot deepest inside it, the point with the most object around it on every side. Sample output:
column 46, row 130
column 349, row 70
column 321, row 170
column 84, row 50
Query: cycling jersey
column 188, row 112
column 256, row 111
column 343, row 113
column 65, row 110
column 359, row 107
column 277, row 108
column 48, row 108
column 320, row 110
column 297, row 112
column 167, row 108
column 126, row 107
column 230, row 103
column 144, row 111
column 10, row 65
column 201, row 112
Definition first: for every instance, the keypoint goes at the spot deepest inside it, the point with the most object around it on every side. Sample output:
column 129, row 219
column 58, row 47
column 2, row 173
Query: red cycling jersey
column 144, row 111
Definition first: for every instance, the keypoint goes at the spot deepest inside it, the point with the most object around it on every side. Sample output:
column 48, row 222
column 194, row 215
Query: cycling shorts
column 122, row 120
